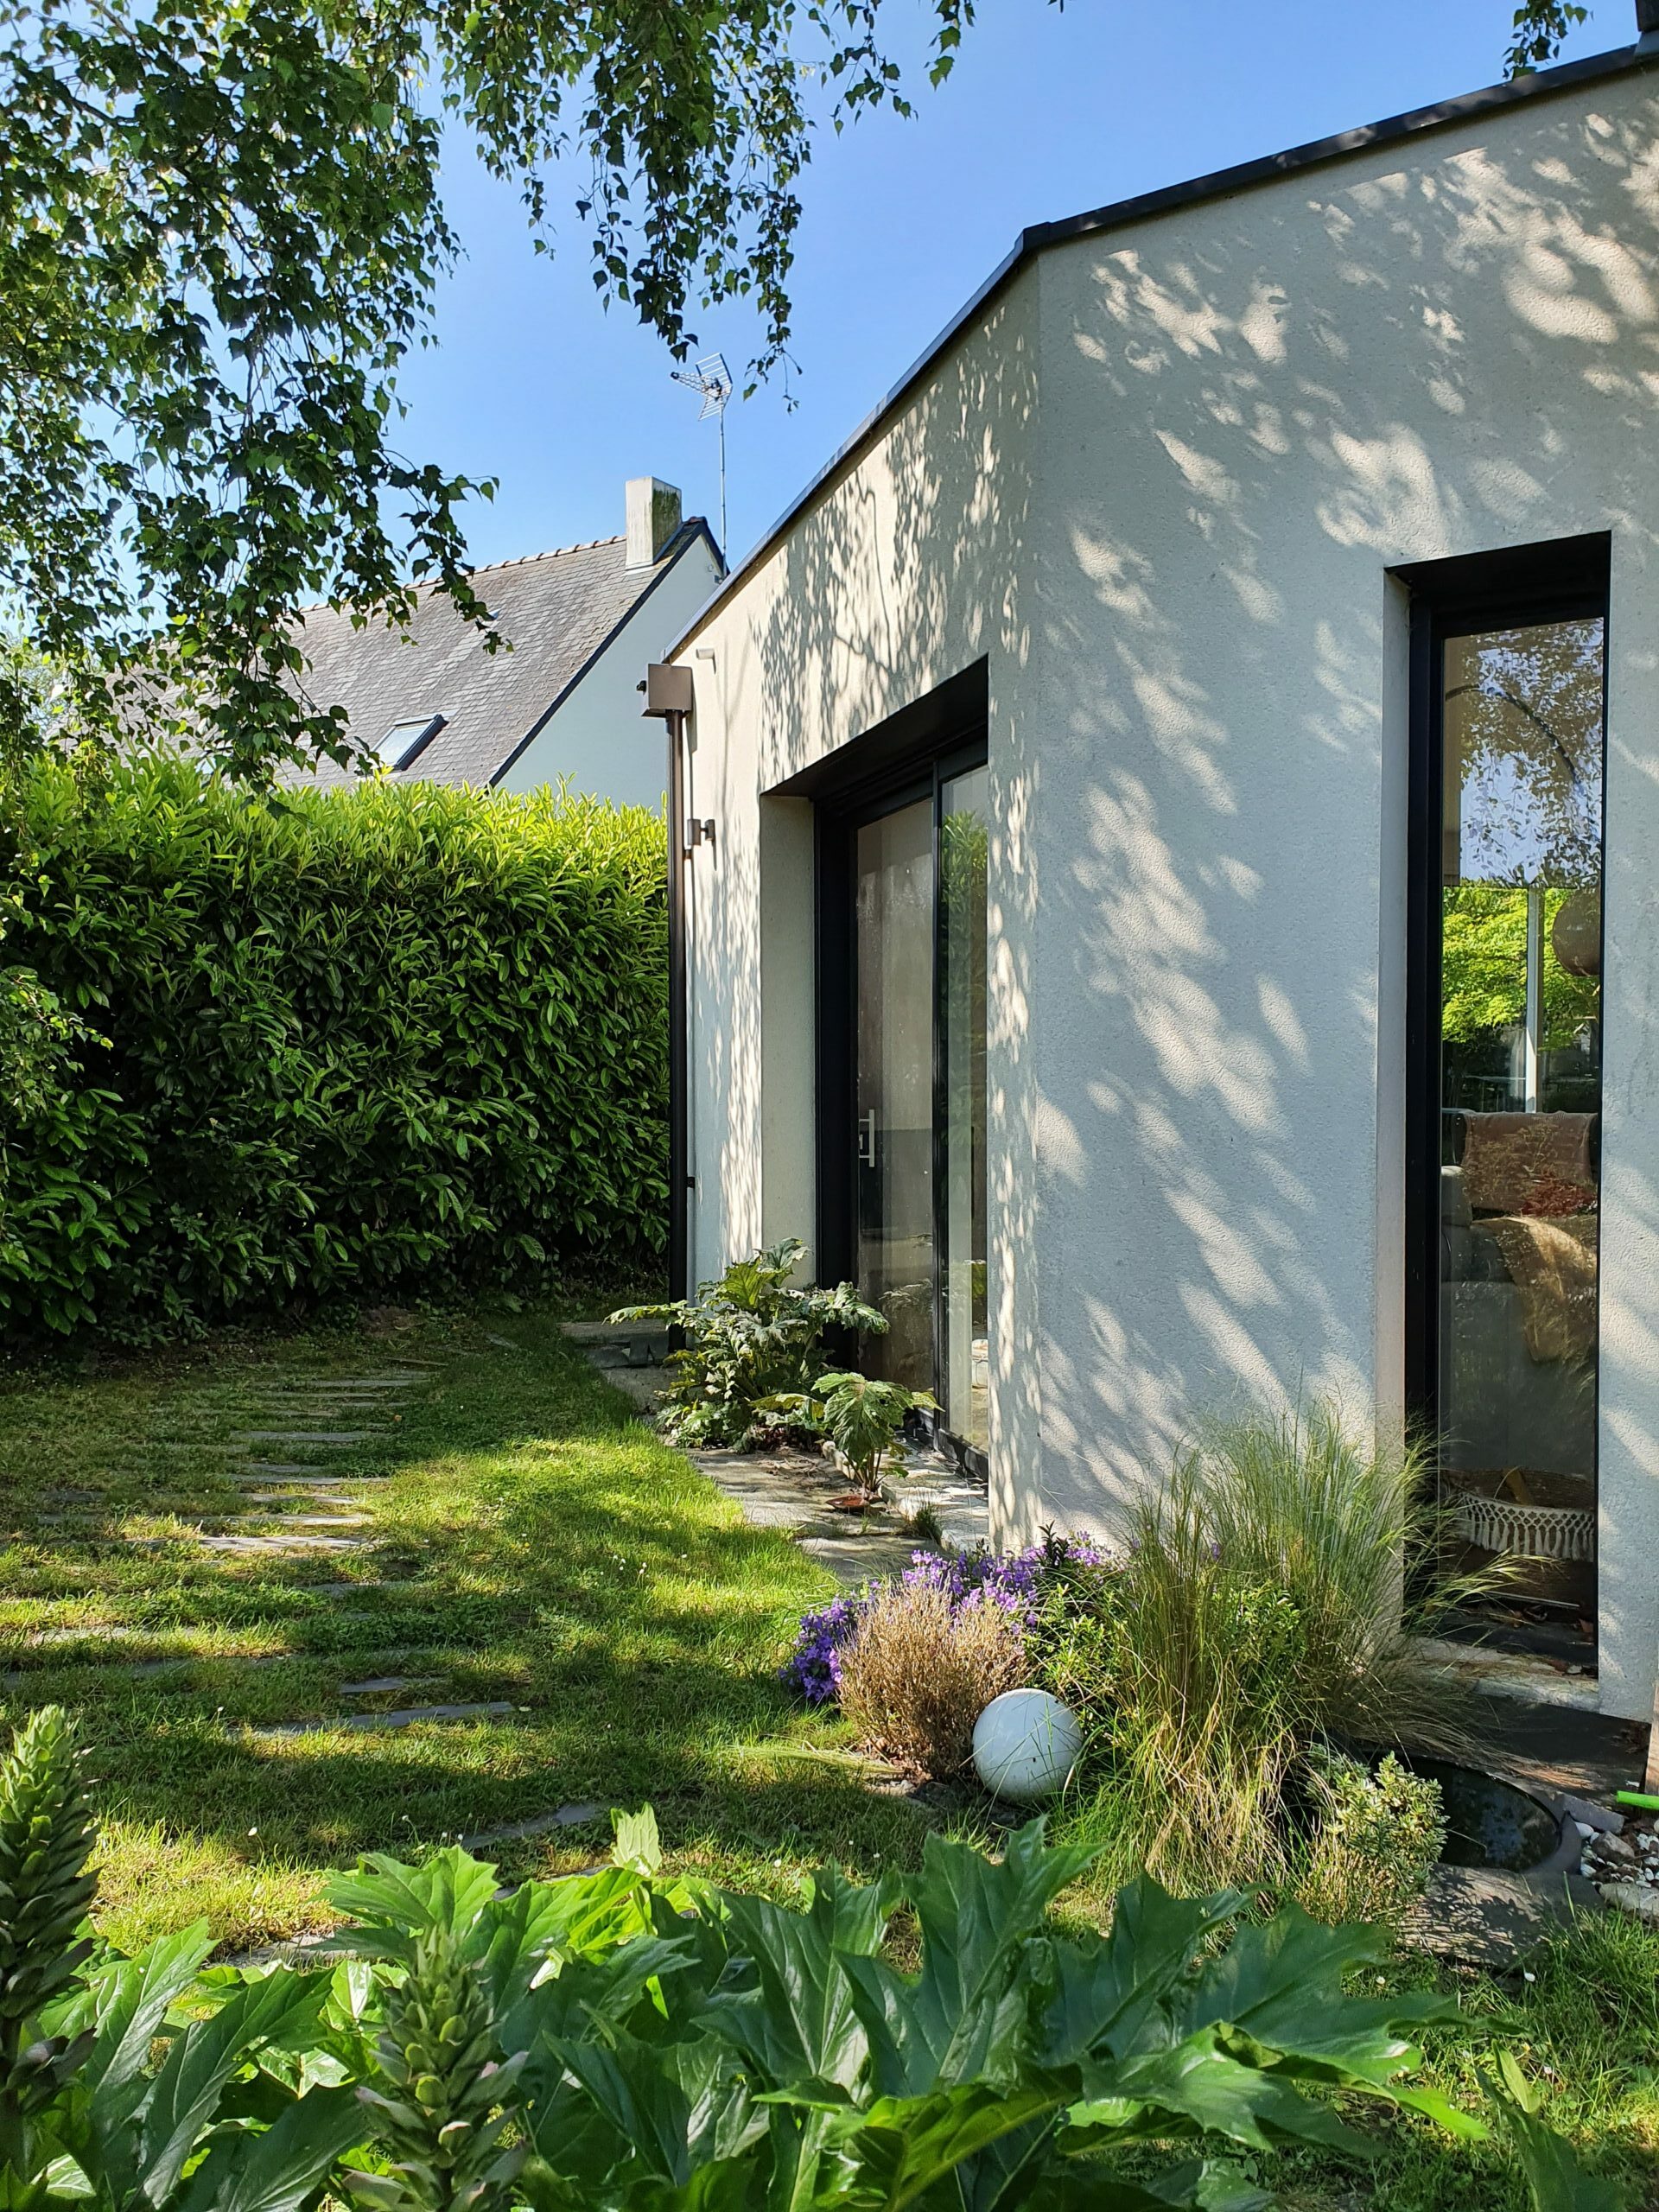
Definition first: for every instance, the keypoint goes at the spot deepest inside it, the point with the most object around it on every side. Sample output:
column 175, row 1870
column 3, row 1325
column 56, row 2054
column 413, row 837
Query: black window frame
column 1561, row 580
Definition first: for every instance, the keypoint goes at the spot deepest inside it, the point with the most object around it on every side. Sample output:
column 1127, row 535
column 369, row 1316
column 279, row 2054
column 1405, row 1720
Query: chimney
column 1647, row 24
column 653, row 518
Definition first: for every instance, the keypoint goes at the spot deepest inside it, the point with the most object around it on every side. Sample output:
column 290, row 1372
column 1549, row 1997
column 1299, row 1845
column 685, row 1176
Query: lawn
column 530, row 1544
column 533, row 1546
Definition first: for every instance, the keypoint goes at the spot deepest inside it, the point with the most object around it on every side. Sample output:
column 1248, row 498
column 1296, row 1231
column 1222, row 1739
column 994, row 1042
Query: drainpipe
column 668, row 699
column 1647, row 24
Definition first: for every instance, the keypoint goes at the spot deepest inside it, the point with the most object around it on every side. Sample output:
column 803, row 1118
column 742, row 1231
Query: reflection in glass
column 894, row 1088
column 962, row 982
column 1521, row 1099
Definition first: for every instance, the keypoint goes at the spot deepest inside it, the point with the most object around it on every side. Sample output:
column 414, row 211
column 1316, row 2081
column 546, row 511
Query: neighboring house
column 564, row 702
column 1188, row 683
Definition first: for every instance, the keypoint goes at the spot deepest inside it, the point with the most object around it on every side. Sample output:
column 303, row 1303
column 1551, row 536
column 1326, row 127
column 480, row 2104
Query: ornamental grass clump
column 920, row 1671
column 1263, row 1612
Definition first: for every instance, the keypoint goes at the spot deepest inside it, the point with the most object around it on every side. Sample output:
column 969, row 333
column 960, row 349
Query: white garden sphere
column 1025, row 1743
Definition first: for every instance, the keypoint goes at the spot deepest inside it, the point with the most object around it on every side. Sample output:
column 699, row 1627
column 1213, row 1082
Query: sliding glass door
column 915, row 1177
column 1512, row 1004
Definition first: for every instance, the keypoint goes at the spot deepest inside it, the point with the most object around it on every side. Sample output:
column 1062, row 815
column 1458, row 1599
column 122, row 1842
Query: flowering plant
column 1014, row 1582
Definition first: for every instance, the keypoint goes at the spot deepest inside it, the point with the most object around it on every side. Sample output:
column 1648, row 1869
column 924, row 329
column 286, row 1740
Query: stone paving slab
column 254, row 1547
column 333, row 1436
column 300, row 1470
column 349, row 1385
column 1488, row 1918
column 383, row 1685
column 407, row 1717
column 793, row 1492
column 565, row 1816
column 858, row 1560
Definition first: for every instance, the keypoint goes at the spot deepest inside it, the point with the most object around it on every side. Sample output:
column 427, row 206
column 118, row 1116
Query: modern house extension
column 1181, row 917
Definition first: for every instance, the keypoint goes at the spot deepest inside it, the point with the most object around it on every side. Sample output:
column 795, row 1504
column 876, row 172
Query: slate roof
column 558, row 608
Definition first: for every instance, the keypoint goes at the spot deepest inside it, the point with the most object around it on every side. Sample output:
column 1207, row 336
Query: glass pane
column 962, row 982
column 1521, row 1100
column 894, row 1088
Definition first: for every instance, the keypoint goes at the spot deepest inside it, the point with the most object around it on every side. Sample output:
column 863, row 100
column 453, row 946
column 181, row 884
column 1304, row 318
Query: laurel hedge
column 342, row 1044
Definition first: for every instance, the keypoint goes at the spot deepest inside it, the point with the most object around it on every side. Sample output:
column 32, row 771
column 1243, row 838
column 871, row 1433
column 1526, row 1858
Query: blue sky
column 1048, row 113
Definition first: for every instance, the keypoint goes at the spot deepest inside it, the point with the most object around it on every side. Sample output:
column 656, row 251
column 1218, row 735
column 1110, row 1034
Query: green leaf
column 1555, row 2180
column 185, row 2097
column 966, row 2014
column 799, row 2025
column 901, row 2146
column 638, row 1846
column 282, row 2169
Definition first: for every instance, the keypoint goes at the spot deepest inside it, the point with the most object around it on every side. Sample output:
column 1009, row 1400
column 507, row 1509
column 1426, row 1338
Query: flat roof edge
column 1218, row 184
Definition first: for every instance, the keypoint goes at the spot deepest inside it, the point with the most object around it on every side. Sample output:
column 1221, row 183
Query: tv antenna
column 711, row 376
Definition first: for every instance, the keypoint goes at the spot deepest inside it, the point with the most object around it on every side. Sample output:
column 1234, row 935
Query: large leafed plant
column 620, row 2042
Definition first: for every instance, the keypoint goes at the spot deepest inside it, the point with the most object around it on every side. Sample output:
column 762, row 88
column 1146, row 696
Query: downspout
column 668, row 699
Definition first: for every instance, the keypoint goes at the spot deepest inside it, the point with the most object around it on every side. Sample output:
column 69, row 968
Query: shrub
column 337, row 1043
column 752, row 1337
column 920, row 1671
column 1348, row 1531
column 1376, row 1839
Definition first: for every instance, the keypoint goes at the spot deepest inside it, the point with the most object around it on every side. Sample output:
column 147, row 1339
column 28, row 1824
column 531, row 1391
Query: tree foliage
column 1483, row 967
column 220, row 233
column 1538, row 29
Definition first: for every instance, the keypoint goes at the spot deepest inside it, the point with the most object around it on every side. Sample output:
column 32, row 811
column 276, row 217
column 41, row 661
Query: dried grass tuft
column 918, row 1673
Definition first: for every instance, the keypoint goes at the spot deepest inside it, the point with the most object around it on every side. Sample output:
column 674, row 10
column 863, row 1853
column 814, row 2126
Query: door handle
column 867, row 1139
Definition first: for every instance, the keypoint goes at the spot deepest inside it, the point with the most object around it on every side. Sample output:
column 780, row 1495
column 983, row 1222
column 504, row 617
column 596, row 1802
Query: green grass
column 551, row 1554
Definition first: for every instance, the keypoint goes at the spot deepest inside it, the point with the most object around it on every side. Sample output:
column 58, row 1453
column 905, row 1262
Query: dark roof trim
column 1244, row 177
column 689, row 532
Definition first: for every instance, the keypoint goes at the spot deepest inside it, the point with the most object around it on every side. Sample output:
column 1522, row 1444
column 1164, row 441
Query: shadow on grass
column 537, row 1546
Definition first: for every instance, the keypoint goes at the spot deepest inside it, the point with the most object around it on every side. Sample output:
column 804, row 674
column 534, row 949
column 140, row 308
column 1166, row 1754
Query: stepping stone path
column 794, row 1490
column 264, row 1531
column 287, row 1515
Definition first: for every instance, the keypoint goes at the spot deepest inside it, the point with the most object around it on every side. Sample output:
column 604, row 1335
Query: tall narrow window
column 1517, row 978
column 964, row 802
column 894, row 926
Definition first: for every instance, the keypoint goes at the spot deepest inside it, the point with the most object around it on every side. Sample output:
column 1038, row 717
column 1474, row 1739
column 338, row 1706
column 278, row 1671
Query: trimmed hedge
column 341, row 1043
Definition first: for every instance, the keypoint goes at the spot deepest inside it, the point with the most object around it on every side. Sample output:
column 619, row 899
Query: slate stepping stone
column 410, row 1716
column 383, row 1685
column 311, row 1492
column 96, row 1632
column 255, row 1547
column 331, row 1436
column 298, row 1470
column 566, row 1816
column 272, row 1521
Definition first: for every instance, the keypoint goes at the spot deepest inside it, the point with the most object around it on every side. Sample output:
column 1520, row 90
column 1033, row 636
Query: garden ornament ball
column 1025, row 1743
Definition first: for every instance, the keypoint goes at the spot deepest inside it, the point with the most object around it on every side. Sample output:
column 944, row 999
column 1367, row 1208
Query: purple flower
column 1010, row 1581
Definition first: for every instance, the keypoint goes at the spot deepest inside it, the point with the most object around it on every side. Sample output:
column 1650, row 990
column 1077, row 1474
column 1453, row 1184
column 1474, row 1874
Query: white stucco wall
column 1160, row 487
column 596, row 738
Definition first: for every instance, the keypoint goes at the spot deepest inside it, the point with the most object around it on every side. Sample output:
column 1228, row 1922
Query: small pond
column 1491, row 1823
